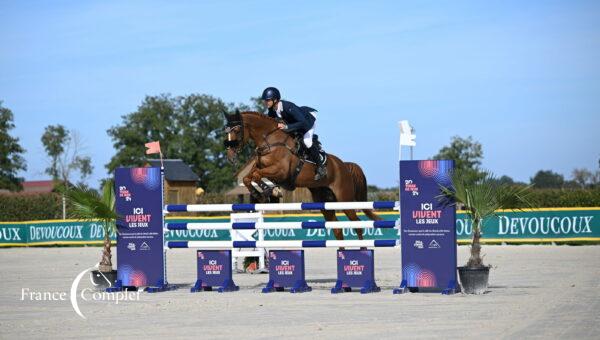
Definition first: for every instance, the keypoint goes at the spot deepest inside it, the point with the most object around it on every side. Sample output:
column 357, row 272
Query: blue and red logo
column 415, row 276
column 131, row 277
column 149, row 177
column 439, row 170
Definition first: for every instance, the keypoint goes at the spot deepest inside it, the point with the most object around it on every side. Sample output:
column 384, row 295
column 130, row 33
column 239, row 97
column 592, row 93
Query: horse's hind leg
column 344, row 192
column 351, row 214
column 330, row 216
column 343, row 188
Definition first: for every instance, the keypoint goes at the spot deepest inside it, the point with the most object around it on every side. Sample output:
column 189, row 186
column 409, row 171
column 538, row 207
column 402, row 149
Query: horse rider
column 298, row 121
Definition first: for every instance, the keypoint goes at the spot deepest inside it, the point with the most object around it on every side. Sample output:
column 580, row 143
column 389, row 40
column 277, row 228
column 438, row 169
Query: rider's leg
column 313, row 153
column 307, row 139
column 315, row 156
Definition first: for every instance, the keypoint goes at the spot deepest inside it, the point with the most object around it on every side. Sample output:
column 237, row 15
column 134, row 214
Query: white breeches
column 308, row 136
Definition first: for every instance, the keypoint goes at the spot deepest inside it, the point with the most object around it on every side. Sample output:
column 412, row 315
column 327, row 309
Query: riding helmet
column 271, row 93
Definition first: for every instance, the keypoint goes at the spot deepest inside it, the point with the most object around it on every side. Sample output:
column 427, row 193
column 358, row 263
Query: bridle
column 261, row 150
column 228, row 143
column 265, row 148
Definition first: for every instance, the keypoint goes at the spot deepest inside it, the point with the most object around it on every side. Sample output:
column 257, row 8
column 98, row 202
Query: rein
column 265, row 149
column 261, row 150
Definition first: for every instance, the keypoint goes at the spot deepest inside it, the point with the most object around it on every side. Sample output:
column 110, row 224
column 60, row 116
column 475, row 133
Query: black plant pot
column 103, row 280
column 474, row 280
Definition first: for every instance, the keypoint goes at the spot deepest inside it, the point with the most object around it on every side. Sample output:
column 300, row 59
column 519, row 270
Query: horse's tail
column 360, row 188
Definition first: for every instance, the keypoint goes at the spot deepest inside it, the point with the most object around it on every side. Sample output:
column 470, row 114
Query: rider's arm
column 302, row 121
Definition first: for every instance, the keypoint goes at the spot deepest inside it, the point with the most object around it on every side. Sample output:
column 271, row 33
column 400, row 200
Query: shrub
column 556, row 198
column 48, row 206
column 30, row 207
column 539, row 198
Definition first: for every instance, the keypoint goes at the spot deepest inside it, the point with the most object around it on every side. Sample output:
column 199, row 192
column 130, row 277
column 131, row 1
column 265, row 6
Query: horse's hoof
column 277, row 192
column 268, row 182
column 257, row 187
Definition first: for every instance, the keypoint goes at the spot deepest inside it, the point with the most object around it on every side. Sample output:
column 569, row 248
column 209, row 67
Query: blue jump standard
column 452, row 288
column 214, row 270
column 286, row 269
column 159, row 287
column 227, row 286
column 118, row 287
column 369, row 287
column 355, row 269
column 299, row 287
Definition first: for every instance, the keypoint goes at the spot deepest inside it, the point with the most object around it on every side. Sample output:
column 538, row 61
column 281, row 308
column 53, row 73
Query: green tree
column 54, row 139
column 188, row 127
column 596, row 176
column 11, row 160
column 257, row 104
column 583, row 177
column 64, row 149
column 546, row 179
column 466, row 153
column 506, row 180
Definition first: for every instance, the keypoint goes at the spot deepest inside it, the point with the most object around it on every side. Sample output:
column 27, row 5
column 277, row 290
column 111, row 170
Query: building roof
column 38, row 186
column 175, row 170
column 33, row 187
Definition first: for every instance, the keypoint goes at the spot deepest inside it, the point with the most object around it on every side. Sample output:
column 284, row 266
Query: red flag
column 152, row 147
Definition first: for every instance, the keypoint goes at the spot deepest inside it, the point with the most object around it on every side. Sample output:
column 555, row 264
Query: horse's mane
column 260, row 116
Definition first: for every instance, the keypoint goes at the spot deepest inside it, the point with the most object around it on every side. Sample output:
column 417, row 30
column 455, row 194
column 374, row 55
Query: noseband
column 230, row 127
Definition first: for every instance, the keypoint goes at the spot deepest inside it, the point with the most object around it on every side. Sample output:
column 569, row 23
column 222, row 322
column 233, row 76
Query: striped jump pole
column 282, row 225
column 293, row 244
column 280, row 206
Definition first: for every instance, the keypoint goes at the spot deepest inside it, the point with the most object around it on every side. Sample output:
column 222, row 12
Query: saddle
column 304, row 157
column 301, row 152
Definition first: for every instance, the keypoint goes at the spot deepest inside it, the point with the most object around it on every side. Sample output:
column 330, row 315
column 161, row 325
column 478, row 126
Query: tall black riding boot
column 315, row 156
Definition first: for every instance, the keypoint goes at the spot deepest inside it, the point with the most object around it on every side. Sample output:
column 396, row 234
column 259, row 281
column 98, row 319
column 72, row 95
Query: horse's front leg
column 252, row 188
column 272, row 173
column 259, row 190
column 264, row 178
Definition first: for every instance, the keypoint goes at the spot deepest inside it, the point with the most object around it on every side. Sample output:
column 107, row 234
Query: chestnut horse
column 277, row 161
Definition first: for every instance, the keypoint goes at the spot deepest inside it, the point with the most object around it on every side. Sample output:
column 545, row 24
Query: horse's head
column 245, row 126
column 235, row 135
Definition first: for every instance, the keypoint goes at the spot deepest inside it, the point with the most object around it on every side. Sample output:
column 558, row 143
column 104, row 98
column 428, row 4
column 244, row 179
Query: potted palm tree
column 89, row 205
column 481, row 196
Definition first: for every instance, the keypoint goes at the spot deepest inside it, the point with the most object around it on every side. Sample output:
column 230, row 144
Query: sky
column 520, row 77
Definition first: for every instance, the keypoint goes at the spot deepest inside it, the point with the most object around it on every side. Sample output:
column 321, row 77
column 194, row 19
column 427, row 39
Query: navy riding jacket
column 297, row 119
